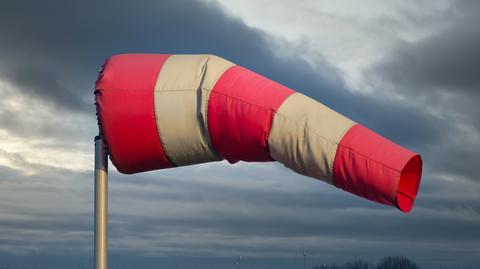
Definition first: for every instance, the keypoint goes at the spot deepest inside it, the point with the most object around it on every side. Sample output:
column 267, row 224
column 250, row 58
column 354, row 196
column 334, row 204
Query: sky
column 406, row 69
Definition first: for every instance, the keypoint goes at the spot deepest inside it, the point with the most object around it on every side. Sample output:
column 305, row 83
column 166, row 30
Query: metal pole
column 304, row 259
column 101, row 204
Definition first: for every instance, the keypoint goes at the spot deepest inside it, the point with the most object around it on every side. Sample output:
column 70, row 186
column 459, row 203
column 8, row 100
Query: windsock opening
column 375, row 168
column 409, row 183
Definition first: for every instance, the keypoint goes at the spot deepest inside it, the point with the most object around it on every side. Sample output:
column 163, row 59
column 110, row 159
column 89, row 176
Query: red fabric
column 125, row 106
column 240, row 113
column 375, row 168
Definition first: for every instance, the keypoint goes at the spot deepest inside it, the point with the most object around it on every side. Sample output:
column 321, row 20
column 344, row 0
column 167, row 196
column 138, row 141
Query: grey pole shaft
column 304, row 259
column 101, row 205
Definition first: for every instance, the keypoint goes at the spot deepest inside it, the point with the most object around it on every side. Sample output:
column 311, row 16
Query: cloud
column 79, row 46
column 41, row 84
column 447, row 61
column 438, row 74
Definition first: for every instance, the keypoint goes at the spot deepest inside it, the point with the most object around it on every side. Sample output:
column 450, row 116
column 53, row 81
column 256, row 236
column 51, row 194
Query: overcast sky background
column 406, row 69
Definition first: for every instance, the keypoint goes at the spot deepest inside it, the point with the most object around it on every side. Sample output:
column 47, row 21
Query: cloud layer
column 422, row 95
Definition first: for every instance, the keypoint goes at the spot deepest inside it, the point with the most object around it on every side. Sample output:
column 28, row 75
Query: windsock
column 159, row 111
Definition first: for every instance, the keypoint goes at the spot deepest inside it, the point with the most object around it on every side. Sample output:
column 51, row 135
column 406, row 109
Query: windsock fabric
column 159, row 111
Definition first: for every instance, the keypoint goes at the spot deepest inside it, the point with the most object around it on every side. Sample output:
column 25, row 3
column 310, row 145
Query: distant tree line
column 385, row 263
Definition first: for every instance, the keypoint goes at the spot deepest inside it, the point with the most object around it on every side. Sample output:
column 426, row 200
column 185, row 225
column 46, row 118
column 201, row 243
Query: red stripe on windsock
column 375, row 168
column 125, row 103
column 240, row 113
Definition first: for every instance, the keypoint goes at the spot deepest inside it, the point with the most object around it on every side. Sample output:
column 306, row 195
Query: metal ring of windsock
column 159, row 111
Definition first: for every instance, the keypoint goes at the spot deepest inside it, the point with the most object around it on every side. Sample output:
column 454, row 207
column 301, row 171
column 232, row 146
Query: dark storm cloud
column 446, row 61
column 43, row 84
column 440, row 73
column 71, row 44
column 56, row 49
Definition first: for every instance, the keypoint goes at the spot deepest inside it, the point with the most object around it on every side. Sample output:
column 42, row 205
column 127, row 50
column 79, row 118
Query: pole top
column 98, row 137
